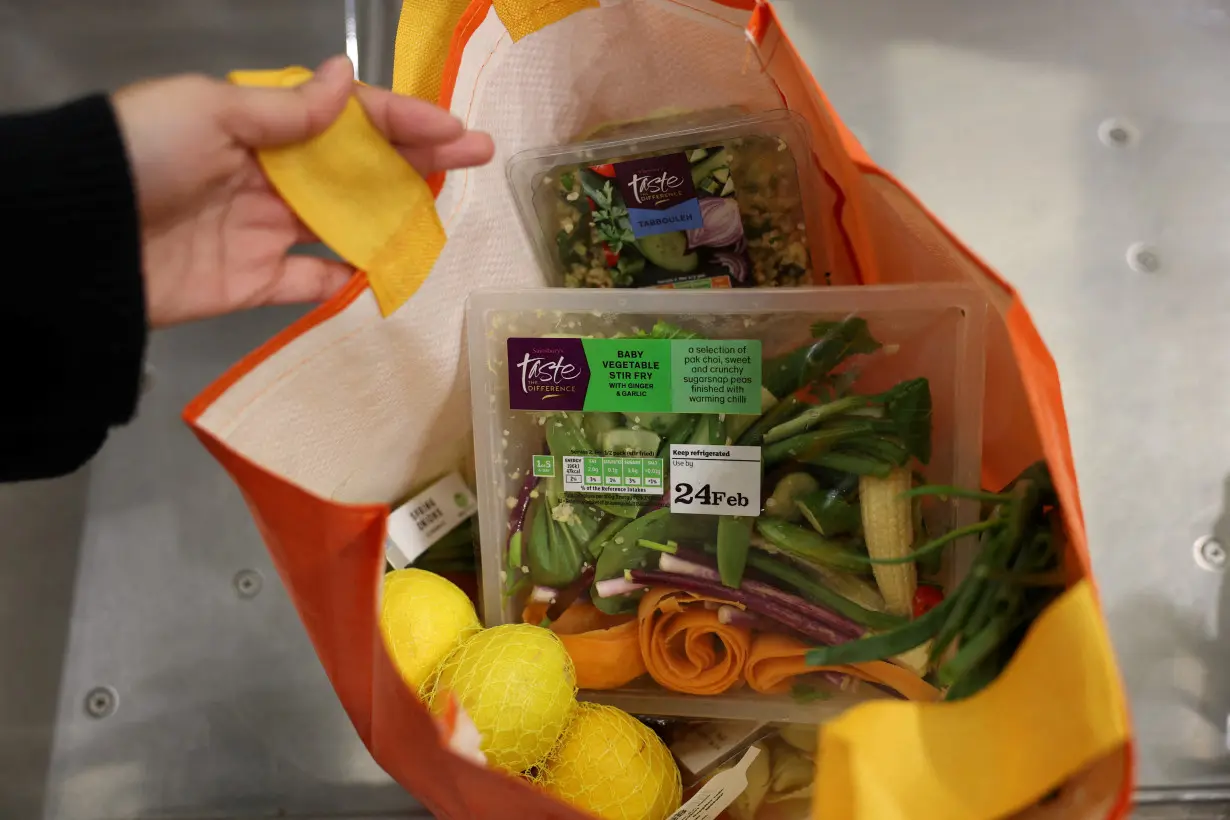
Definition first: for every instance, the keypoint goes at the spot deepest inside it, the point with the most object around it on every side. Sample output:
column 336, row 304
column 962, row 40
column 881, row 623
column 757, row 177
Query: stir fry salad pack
column 698, row 492
column 699, row 201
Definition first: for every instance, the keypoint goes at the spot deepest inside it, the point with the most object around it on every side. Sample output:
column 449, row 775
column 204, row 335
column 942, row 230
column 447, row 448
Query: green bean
column 965, row 597
column 979, row 648
column 886, row 644
column 850, row 463
column 937, row 544
column 984, row 607
column 949, row 491
column 973, row 681
column 1026, row 557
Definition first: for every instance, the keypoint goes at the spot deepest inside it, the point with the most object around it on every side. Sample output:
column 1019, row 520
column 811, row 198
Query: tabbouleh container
column 692, row 202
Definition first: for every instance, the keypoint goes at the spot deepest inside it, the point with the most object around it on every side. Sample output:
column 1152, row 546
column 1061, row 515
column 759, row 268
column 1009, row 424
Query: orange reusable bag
column 365, row 399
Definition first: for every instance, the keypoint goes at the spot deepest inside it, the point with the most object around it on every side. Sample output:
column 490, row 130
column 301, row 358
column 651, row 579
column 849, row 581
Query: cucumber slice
column 706, row 167
column 669, row 251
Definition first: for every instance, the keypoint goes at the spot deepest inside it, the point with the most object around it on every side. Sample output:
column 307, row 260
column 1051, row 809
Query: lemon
column 611, row 765
column 518, row 685
column 423, row 617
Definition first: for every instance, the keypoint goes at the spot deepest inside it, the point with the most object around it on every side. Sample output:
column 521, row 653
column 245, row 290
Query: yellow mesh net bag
column 518, row 685
column 613, row 766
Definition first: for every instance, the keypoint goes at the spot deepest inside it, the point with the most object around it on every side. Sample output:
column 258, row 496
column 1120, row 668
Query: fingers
column 471, row 149
column 308, row 279
column 270, row 117
column 429, row 137
column 408, row 121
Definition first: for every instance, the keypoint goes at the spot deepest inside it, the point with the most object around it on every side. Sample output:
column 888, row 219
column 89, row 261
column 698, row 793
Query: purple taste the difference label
column 547, row 374
column 659, row 194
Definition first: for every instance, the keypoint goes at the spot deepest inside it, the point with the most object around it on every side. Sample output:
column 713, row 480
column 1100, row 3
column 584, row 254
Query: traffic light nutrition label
column 613, row 474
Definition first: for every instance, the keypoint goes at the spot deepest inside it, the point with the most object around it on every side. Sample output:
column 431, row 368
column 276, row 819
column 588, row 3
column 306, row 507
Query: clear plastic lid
column 703, row 200
column 638, row 441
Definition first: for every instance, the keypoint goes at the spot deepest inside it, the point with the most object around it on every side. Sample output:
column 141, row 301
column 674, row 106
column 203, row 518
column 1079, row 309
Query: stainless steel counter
column 1082, row 146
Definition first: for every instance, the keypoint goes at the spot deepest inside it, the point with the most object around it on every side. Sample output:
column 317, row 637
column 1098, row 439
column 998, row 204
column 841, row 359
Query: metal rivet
column 100, row 702
column 1209, row 553
column 1118, row 133
column 1144, row 258
column 248, row 583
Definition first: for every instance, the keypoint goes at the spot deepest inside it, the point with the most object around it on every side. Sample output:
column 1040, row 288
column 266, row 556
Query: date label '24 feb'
column 715, row 480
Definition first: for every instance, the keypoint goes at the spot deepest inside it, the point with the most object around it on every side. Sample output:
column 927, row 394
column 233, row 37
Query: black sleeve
column 72, row 305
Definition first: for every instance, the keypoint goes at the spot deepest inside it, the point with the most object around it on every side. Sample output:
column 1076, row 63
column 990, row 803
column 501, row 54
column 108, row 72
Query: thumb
column 271, row 117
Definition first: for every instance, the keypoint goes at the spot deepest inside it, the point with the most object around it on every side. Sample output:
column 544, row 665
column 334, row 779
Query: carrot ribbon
column 685, row 648
column 777, row 659
column 604, row 648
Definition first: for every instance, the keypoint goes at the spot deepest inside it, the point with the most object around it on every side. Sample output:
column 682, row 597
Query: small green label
column 628, row 375
column 673, row 376
column 544, row 467
column 593, row 471
column 710, row 376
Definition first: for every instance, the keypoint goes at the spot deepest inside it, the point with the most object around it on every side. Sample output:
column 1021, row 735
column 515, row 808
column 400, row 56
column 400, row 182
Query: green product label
column 613, row 472
column 715, row 376
column 672, row 376
column 544, row 467
column 628, row 375
column 593, row 471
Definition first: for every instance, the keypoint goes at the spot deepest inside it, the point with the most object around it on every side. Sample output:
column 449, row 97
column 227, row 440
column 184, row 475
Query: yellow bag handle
column 425, row 33
column 1055, row 710
column 352, row 188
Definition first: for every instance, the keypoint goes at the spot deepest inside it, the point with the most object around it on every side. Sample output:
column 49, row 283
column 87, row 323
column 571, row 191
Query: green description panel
column 673, row 376
column 715, row 376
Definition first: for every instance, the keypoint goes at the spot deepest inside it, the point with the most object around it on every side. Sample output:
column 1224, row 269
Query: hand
column 214, row 233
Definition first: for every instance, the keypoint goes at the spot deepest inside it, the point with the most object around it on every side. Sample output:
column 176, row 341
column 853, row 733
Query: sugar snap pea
column 809, row 546
column 734, row 539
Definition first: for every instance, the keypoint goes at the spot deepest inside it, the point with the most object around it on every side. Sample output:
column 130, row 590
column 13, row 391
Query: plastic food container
column 619, row 431
column 708, row 200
